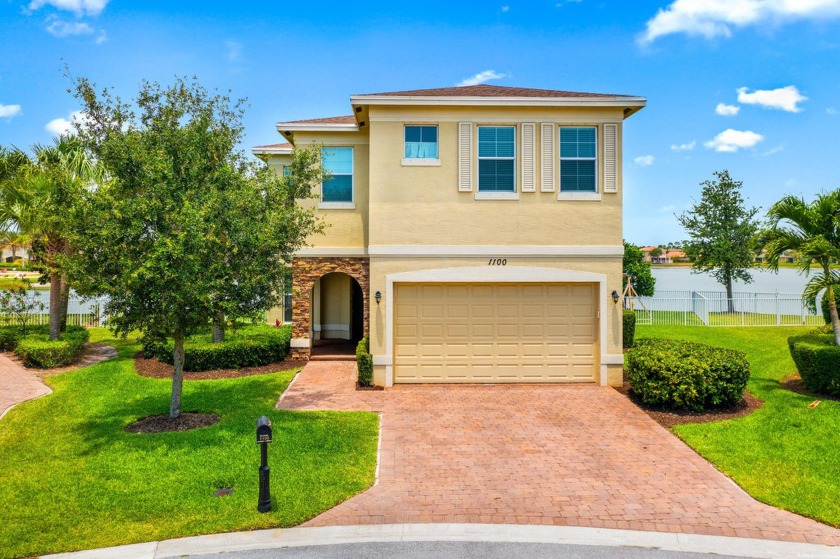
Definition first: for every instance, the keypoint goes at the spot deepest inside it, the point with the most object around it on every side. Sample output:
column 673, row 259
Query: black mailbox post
column 263, row 438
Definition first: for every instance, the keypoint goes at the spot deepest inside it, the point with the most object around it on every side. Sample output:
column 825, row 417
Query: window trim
column 497, row 194
column 421, row 161
column 334, row 205
column 578, row 194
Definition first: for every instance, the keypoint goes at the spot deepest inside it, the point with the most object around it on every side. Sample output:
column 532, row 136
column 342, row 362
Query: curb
column 501, row 533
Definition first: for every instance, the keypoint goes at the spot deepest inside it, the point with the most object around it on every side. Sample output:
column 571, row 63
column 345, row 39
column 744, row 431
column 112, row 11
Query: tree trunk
column 730, row 304
column 65, row 294
column 55, row 305
column 219, row 327
column 832, row 311
column 177, row 375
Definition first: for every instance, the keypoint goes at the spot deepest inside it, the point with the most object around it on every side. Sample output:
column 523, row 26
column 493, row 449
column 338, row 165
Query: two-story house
column 474, row 233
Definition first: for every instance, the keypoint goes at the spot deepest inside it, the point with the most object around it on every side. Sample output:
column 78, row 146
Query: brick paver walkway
column 562, row 455
column 17, row 384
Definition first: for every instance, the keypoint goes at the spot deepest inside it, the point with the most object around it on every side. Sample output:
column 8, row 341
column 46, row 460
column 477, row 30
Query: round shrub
column 686, row 375
column 818, row 361
column 628, row 319
column 37, row 350
column 247, row 346
column 11, row 335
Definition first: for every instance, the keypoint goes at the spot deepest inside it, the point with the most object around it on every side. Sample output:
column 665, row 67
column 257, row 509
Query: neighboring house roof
column 272, row 149
column 348, row 119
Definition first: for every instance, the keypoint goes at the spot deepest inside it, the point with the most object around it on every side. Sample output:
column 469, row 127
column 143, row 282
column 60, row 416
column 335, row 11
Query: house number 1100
column 497, row 262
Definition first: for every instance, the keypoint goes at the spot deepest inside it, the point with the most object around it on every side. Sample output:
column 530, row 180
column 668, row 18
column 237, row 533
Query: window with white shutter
column 528, row 155
column 610, row 158
column 465, row 162
column 547, row 157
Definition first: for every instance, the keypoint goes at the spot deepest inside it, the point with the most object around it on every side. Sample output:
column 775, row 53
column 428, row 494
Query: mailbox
column 263, row 430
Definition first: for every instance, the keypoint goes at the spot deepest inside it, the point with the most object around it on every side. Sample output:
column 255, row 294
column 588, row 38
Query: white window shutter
column 528, row 147
column 547, row 158
column 465, row 158
column 610, row 158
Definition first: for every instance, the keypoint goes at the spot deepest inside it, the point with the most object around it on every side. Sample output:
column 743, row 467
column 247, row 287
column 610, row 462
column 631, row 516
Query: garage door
column 494, row 333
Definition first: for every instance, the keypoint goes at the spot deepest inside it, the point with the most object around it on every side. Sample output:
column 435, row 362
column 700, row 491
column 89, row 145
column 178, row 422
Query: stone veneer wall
column 305, row 272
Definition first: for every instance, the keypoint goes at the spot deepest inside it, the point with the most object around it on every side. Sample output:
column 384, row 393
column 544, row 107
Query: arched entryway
column 317, row 313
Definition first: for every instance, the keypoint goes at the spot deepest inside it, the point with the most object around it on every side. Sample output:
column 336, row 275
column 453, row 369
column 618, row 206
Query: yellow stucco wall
column 422, row 205
column 345, row 227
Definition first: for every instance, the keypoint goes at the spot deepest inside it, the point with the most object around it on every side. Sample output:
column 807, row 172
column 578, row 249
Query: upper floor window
column 496, row 158
column 578, row 159
column 421, row 142
column 339, row 163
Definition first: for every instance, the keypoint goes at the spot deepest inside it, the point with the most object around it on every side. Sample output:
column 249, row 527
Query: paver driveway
column 535, row 454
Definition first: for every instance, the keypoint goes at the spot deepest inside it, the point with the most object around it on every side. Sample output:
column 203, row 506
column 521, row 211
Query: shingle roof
column 274, row 146
column 349, row 119
column 488, row 91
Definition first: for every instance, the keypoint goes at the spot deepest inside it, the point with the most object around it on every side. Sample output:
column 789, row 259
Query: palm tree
column 35, row 196
column 812, row 231
column 13, row 242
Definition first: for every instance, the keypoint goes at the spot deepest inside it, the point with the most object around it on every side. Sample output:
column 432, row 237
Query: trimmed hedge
column 12, row 334
column 247, row 346
column 686, row 375
column 818, row 361
column 628, row 319
column 36, row 350
column 364, row 361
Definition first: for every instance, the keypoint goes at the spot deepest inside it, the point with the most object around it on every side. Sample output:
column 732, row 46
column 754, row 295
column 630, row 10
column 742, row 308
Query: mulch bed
column 151, row 367
column 669, row 418
column 794, row 384
column 165, row 424
column 372, row 387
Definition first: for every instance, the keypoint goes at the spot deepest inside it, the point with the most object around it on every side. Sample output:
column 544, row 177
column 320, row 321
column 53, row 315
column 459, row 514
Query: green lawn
column 72, row 478
column 784, row 454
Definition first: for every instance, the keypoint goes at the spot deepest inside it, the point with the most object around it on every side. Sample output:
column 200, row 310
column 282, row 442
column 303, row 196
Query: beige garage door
column 494, row 333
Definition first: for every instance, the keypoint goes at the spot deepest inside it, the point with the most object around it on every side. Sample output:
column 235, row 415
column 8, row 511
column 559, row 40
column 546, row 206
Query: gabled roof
column 490, row 91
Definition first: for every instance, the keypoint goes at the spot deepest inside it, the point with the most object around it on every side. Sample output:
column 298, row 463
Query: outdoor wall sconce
column 378, row 296
column 615, row 297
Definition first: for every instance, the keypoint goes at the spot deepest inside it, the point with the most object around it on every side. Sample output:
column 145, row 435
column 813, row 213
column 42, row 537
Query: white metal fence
column 712, row 308
column 80, row 312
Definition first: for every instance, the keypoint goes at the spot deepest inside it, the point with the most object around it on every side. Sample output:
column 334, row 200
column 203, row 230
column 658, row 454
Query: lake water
column 787, row 280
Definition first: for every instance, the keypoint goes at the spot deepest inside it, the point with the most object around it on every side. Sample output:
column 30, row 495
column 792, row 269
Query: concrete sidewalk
column 339, row 535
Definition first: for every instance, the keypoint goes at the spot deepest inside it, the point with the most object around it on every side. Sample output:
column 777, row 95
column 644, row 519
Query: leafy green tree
column 656, row 252
column 721, row 231
column 186, row 227
column 634, row 265
column 36, row 196
column 21, row 302
column 812, row 231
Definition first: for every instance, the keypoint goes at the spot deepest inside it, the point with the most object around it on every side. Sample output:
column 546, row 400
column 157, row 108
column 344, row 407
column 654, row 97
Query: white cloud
column 78, row 7
column 61, row 125
column 9, row 111
column 684, row 147
column 234, row 50
column 644, row 160
column 61, row 28
column 101, row 38
column 727, row 110
column 831, row 111
column 481, row 77
column 717, row 18
column 784, row 98
column 505, row 9
column 730, row 141
column 668, row 209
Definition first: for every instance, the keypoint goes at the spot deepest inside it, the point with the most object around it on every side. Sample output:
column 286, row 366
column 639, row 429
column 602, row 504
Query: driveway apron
column 573, row 455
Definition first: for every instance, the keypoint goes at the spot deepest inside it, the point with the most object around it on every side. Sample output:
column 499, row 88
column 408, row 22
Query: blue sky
column 752, row 86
